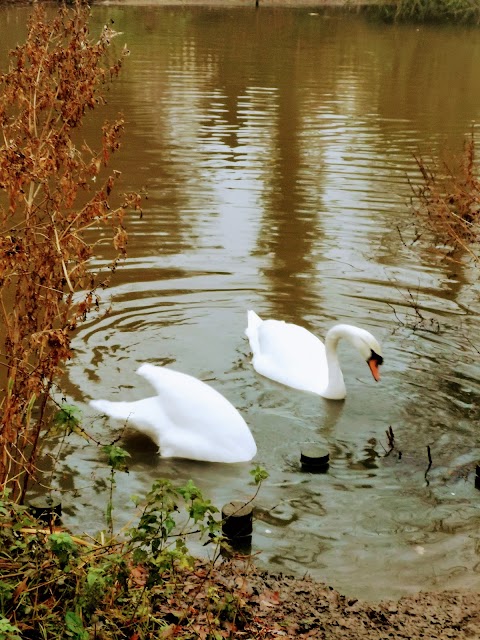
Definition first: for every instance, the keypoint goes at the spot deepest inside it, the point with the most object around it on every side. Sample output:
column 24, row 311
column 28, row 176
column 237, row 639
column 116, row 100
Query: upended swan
column 295, row 357
column 186, row 419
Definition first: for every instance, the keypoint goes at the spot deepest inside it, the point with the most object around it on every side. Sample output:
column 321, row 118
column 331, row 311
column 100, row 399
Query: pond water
column 276, row 148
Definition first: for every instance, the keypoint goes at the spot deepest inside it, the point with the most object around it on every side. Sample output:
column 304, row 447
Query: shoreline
column 224, row 4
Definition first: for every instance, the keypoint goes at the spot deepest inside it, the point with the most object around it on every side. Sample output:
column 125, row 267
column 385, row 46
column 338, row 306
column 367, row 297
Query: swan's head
column 367, row 345
column 371, row 350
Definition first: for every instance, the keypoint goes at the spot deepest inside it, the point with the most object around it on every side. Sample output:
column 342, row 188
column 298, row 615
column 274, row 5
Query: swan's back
column 187, row 418
column 187, row 401
column 287, row 353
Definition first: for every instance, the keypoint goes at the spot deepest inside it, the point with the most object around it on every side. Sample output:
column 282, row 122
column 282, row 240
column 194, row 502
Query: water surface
column 276, row 147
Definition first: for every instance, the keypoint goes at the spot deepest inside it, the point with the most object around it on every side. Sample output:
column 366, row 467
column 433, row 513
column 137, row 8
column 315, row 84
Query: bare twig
column 429, row 454
column 390, row 442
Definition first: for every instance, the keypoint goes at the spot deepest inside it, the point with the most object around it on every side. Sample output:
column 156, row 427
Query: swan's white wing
column 187, row 419
column 197, row 421
column 143, row 414
column 291, row 355
column 183, row 395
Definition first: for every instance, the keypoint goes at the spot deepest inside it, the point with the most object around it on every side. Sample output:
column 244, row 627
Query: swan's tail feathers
column 253, row 323
column 254, row 319
column 118, row 410
column 153, row 374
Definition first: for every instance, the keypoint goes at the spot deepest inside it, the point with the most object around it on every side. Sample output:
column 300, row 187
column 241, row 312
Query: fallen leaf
column 19, row 589
column 269, row 599
column 168, row 632
column 139, row 577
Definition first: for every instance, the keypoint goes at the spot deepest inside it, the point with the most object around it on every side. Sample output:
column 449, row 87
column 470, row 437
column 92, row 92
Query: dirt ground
column 284, row 606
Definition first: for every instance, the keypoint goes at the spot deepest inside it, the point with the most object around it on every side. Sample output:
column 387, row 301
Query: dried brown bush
column 448, row 201
column 53, row 188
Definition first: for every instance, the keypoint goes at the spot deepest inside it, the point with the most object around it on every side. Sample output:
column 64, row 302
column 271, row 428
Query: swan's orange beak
column 373, row 364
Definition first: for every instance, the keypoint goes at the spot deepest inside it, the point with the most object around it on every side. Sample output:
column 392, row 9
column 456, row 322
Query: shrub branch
column 55, row 189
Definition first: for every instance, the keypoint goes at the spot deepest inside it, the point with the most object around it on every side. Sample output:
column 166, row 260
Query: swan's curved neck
column 336, row 386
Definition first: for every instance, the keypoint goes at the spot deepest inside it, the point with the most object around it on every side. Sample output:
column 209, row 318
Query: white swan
column 187, row 419
column 295, row 357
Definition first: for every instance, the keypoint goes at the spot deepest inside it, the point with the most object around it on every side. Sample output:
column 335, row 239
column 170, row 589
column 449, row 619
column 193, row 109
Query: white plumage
column 295, row 357
column 186, row 419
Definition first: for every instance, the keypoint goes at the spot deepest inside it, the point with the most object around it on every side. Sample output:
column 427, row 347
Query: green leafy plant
column 68, row 419
column 153, row 540
column 117, row 462
column 144, row 581
column 63, row 547
column 259, row 474
column 74, row 627
column 8, row 631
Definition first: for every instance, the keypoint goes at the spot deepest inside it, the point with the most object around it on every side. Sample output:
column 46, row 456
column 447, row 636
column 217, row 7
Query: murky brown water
column 275, row 146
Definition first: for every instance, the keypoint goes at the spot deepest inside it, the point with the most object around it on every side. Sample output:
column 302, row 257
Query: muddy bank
column 283, row 606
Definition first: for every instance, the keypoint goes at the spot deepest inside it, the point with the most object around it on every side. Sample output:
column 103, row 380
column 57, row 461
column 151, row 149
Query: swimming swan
column 186, row 419
column 295, row 357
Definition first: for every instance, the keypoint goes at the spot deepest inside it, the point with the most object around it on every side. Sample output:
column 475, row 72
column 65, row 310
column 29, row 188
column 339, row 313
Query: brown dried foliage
column 449, row 201
column 53, row 189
